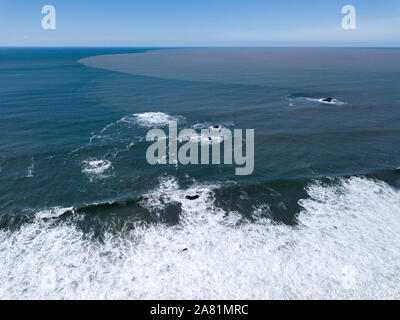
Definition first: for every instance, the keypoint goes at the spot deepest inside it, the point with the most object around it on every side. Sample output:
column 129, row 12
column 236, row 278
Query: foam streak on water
column 151, row 119
column 346, row 245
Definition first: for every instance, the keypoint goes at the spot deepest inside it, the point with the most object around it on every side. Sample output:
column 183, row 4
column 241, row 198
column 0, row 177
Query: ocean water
column 83, row 215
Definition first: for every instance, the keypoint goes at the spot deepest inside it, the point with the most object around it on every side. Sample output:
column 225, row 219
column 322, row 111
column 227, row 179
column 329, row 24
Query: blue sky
column 199, row 23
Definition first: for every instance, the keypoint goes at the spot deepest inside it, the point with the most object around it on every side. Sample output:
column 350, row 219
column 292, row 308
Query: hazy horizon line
column 205, row 46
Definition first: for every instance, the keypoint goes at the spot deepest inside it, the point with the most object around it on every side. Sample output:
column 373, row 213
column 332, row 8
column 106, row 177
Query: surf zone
column 215, row 145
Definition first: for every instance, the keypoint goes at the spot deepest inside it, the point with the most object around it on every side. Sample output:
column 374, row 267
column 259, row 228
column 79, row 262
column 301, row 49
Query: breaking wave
column 345, row 245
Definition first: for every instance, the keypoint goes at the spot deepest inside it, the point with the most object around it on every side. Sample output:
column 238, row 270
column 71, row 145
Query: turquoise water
column 78, row 198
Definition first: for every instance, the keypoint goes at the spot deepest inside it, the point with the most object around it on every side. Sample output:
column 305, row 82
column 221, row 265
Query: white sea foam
column 121, row 135
column 151, row 119
column 212, row 138
column 119, row 130
column 203, row 139
column 314, row 100
column 321, row 100
column 346, row 245
column 29, row 171
column 96, row 168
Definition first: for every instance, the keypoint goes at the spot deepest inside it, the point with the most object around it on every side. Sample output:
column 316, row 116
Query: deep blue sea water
column 83, row 215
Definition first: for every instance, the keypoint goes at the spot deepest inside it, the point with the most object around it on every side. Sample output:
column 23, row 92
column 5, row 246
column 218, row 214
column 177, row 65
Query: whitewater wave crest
column 345, row 246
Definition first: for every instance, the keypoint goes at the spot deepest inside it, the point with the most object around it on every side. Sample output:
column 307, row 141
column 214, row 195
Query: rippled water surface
column 83, row 215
